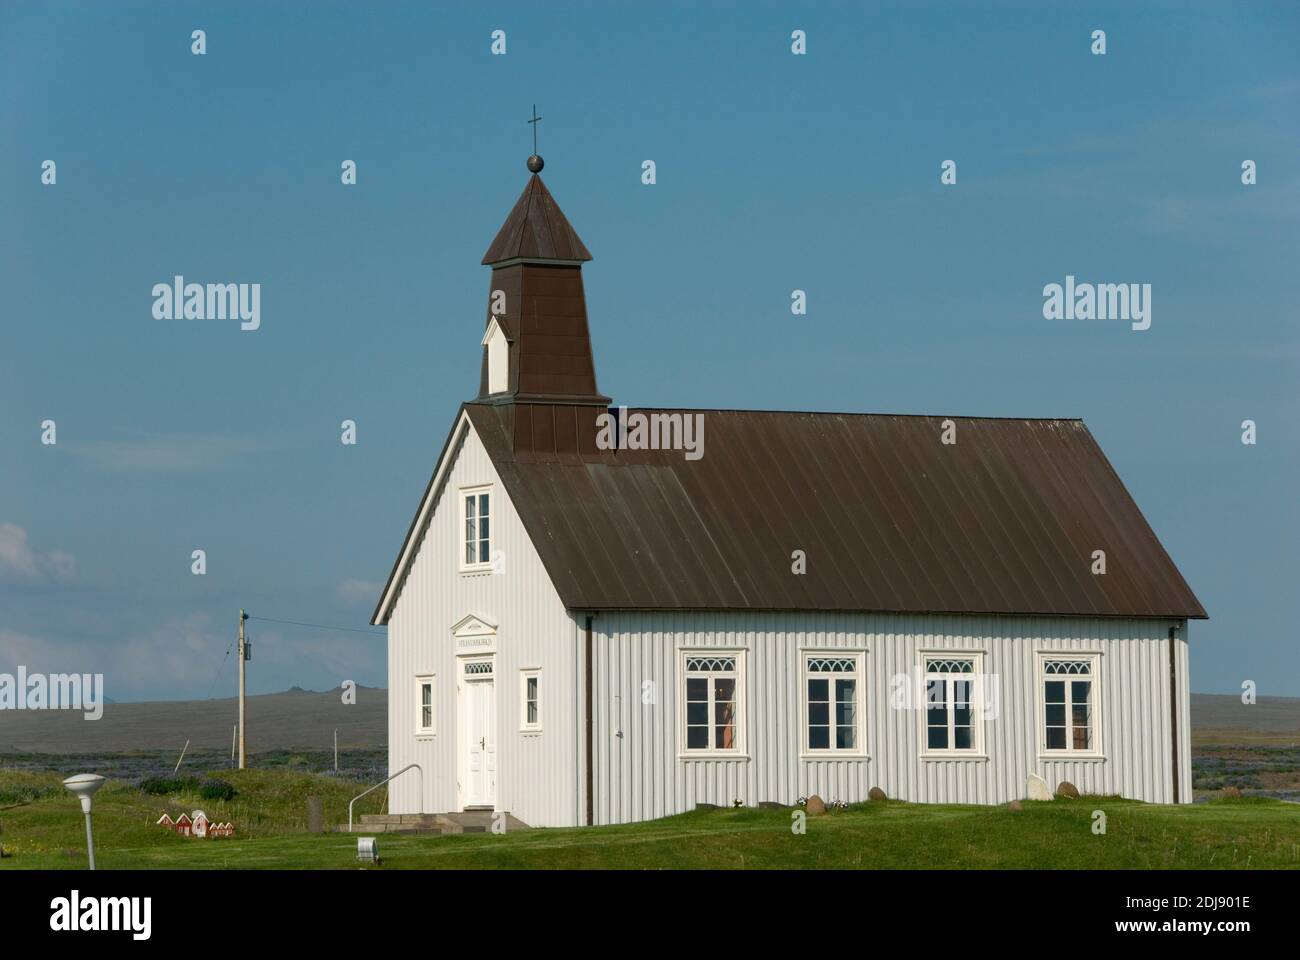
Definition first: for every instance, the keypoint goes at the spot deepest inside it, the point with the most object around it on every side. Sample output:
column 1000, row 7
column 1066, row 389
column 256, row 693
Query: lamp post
column 84, row 786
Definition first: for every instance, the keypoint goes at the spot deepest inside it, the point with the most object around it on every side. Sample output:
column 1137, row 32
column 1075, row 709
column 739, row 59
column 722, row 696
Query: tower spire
column 536, row 345
column 536, row 229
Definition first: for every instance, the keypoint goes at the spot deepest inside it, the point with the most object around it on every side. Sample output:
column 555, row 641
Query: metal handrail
column 419, row 791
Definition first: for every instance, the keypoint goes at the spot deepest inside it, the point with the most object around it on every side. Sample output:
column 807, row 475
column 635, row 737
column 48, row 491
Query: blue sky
column 775, row 172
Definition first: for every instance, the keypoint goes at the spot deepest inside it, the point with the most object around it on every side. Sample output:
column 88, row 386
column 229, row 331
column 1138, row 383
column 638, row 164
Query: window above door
column 476, row 529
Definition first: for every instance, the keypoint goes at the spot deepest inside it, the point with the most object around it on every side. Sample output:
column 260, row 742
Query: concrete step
column 478, row 821
column 367, row 829
column 469, row 821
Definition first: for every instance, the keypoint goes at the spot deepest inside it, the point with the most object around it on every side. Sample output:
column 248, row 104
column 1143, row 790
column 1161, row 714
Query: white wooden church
column 582, row 632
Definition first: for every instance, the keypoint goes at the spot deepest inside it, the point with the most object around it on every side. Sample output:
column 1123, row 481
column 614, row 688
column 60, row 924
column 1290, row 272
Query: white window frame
column 858, row 673
column 977, row 749
column 526, row 674
column 1041, row 659
column 461, row 541
column 737, row 750
column 421, row 731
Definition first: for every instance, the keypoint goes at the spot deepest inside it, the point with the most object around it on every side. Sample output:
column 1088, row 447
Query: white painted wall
column 536, row 773
column 639, row 775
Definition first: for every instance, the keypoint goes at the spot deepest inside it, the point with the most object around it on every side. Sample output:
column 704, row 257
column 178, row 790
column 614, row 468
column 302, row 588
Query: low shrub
column 162, row 786
column 215, row 789
column 26, row 794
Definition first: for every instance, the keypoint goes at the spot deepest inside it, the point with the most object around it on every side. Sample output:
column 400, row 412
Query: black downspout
column 1173, row 704
column 591, row 800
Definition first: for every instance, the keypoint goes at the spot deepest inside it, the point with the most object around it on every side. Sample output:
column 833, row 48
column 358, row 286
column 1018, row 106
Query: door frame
column 463, row 723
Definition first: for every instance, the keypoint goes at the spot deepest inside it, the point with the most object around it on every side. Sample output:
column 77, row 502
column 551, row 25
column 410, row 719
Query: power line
column 318, row 626
column 220, row 668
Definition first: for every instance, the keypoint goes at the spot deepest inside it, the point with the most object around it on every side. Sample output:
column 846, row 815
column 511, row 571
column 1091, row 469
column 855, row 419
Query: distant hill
column 1224, row 719
column 294, row 720
column 305, row 720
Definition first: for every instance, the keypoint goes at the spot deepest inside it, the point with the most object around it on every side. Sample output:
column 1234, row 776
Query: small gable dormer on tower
column 496, row 341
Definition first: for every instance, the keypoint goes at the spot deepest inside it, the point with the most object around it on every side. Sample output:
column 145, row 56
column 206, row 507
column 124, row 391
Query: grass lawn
column 269, row 814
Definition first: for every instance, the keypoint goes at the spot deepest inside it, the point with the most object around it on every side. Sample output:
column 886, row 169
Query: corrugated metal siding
column 536, row 779
column 1184, row 720
column 638, row 775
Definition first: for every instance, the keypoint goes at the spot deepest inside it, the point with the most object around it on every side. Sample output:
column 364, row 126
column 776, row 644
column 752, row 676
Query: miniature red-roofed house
column 196, row 825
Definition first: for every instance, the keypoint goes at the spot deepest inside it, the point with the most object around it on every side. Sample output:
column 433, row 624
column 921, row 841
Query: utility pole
column 243, row 659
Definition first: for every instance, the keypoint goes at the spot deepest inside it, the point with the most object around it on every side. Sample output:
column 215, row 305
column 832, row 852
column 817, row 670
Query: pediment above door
column 474, row 631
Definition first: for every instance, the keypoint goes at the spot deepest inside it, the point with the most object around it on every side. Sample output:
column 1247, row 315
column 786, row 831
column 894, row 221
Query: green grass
column 48, row 831
column 269, row 815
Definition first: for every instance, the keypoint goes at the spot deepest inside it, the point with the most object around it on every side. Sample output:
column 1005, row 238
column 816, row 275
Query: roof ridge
column 849, row 413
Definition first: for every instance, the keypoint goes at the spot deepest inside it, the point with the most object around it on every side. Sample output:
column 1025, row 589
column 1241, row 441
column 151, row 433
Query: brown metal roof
column 536, row 228
column 1002, row 522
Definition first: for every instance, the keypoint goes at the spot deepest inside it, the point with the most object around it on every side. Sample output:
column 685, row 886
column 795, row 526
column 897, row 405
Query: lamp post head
column 84, row 786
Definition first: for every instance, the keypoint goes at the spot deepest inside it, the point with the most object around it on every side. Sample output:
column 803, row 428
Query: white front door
column 478, row 733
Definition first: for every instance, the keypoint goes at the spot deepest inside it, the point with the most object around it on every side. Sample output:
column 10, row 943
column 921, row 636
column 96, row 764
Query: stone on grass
column 1015, row 806
column 816, row 806
column 315, row 815
column 1067, row 790
column 1038, row 789
column 706, row 806
column 875, row 793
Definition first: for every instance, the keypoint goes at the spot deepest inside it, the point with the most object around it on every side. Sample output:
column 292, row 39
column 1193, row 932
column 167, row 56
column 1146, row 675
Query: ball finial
column 535, row 163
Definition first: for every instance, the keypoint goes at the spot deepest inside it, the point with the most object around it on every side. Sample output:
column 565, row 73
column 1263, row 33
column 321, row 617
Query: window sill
column 1066, row 756
column 530, row 731
column 477, row 569
column 955, row 756
column 835, row 755
column 426, row 736
column 715, row 755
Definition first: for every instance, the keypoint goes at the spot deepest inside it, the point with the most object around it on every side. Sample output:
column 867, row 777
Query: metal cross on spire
column 534, row 123
column 535, row 163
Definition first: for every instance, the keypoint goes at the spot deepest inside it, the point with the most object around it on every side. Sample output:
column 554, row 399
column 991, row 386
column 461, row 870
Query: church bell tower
column 537, row 354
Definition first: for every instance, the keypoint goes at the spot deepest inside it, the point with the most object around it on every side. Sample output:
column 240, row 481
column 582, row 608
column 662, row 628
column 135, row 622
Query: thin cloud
column 358, row 591
column 1285, row 87
column 19, row 560
column 182, row 656
column 175, row 454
